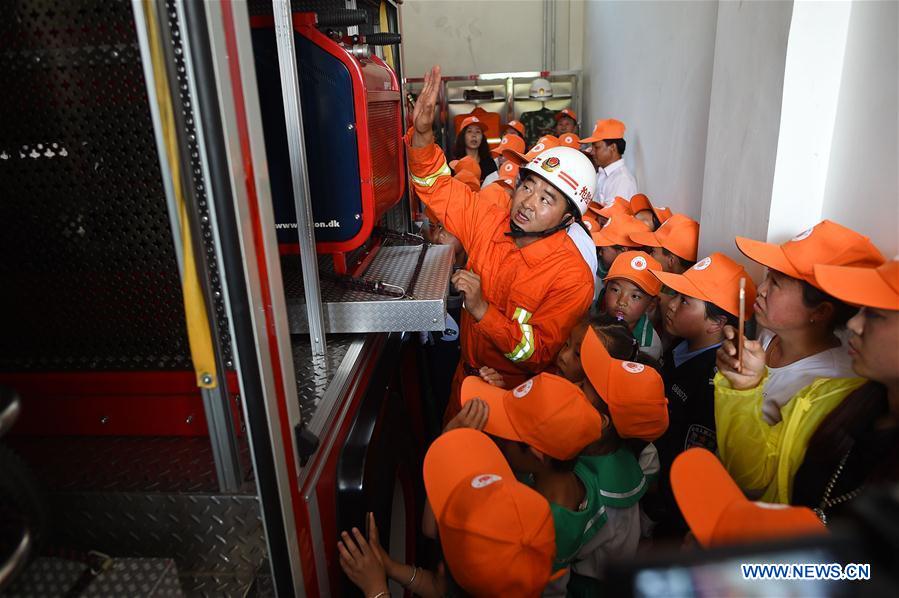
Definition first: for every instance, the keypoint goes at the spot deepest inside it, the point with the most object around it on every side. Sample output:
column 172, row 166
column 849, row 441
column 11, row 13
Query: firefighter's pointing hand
column 469, row 284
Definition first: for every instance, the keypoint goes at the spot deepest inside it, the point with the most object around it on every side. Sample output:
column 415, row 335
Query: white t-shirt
column 784, row 382
column 587, row 248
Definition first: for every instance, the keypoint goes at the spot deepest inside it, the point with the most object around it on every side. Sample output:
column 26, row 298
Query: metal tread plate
column 353, row 311
column 140, row 578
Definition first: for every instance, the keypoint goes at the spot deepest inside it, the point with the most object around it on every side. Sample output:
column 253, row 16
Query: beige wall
column 468, row 37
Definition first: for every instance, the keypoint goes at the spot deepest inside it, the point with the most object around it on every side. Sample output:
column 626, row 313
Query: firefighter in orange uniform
column 525, row 284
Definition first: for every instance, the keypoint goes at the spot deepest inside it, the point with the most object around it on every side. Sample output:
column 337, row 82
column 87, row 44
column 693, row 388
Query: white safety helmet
column 540, row 88
column 569, row 171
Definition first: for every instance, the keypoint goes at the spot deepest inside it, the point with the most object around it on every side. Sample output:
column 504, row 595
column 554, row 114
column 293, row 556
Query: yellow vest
column 764, row 459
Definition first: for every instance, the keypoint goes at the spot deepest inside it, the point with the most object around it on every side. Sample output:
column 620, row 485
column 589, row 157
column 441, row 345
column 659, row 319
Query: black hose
column 342, row 18
column 383, row 39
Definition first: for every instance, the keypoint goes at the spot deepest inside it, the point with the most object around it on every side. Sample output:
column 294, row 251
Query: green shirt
column 620, row 478
column 575, row 528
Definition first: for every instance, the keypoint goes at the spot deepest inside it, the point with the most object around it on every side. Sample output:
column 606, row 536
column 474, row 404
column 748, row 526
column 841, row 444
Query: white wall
column 744, row 121
column 862, row 190
column 649, row 64
column 467, row 37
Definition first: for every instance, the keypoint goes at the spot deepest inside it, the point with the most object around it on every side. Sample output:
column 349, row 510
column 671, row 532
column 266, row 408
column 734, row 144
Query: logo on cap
column 523, row 389
column 588, row 224
column 632, row 368
column 803, row 235
column 537, row 148
column 703, row 263
column 474, row 119
column 508, row 167
column 638, row 263
column 551, row 164
column 505, row 140
column 484, row 480
column 568, row 138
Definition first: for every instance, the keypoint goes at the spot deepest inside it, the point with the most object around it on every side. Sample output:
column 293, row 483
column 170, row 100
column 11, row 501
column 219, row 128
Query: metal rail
column 293, row 116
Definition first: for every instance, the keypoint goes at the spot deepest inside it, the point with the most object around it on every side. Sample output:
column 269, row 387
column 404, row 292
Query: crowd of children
column 616, row 396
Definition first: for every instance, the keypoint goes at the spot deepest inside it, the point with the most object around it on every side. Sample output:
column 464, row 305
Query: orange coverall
column 536, row 294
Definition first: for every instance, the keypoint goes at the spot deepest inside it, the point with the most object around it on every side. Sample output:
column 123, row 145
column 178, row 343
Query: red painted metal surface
column 376, row 103
column 112, row 403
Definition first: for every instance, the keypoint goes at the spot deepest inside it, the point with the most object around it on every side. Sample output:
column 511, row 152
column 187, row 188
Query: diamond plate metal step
column 354, row 311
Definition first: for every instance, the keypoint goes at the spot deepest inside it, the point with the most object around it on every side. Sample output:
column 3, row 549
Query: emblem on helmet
column 551, row 164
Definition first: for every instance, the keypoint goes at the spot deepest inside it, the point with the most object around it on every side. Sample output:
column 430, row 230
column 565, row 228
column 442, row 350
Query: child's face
column 566, row 125
column 686, row 318
column 608, row 254
column 626, row 301
column 569, row 358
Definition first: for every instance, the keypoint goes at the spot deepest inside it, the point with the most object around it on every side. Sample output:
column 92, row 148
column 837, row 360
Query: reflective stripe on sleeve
column 525, row 348
column 432, row 178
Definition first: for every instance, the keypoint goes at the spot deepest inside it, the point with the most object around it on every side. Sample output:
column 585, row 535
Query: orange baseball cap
column 825, row 243
column 508, row 174
column 566, row 112
column 635, row 266
column 473, row 120
column 719, row 514
column 512, row 142
column 678, row 234
column 466, row 163
column 515, row 125
column 640, row 202
column 618, row 230
column 871, row 287
column 590, row 221
column 606, row 129
column 634, row 393
column 547, row 412
column 715, row 279
column 542, row 145
column 618, row 206
column 570, row 140
column 467, row 177
column 497, row 534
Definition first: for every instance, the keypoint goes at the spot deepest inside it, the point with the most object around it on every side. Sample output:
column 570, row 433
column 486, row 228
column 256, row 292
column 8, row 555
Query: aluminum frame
column 293, row 116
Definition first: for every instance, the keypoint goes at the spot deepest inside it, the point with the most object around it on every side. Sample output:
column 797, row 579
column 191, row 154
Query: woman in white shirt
column 799, row 320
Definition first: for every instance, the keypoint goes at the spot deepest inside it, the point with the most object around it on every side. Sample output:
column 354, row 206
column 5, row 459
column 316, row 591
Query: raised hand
column 425, row 105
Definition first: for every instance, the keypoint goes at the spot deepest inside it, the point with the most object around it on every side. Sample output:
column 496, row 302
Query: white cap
column 569, row 171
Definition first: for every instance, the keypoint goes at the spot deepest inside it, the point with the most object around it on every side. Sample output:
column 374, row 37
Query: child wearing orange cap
column 514, row 127
column 614, row 238
column 496, row 534
column 541, row 427
column 566, row 122
column 648, row 214
column 630, row 396
column 630, row 293
column 798, row 343
column 707, row 301
column 718, row 512
column 508, row 142
column 674, row 245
